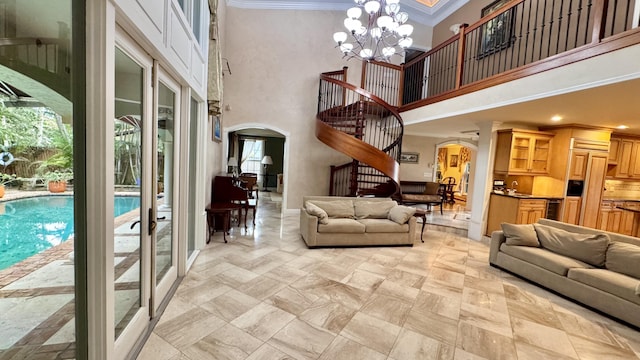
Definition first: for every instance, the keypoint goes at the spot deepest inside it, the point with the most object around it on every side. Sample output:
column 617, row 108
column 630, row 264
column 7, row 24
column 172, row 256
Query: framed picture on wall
column 216, row 125
column 496, row 34
column 409, row 157
column 454, row 161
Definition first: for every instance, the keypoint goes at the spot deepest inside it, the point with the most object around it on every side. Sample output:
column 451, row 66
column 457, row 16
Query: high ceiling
column 426, row 12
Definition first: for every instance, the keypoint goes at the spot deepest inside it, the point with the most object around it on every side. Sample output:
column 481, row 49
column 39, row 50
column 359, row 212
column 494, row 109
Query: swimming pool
column 32, row 225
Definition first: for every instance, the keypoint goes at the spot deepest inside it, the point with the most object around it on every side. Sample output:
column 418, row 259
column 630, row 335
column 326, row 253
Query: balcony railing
column 524, row 37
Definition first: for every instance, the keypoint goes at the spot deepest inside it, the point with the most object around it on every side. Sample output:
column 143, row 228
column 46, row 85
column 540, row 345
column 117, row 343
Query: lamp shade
column 232, row 161
column 266, row 160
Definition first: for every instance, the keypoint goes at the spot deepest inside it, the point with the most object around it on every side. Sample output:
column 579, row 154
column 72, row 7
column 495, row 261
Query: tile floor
column 264, row 295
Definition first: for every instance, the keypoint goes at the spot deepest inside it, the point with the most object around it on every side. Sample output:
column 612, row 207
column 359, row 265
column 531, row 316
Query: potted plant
column 4, row 180
column 57, row 180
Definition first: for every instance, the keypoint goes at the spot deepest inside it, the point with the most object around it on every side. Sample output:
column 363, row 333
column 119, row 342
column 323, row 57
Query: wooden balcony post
column 344, row 78
column 460, row 61
column 599, row 20
column 363, row 77
column 331, row 180
column 401, row 85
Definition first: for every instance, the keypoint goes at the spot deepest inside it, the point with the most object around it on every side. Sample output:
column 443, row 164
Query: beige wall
column 469, row 13
column 276, row 57
column 425, row 146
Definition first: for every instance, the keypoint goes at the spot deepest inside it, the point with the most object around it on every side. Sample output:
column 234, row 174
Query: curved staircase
column 364, row 127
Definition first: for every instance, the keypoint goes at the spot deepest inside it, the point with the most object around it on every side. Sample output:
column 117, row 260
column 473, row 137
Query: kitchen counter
column 528, row 196
column 619, row 199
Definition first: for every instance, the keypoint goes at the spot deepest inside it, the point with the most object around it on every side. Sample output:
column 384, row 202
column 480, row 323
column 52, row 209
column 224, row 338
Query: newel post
column 599, row 20
column 460, row 60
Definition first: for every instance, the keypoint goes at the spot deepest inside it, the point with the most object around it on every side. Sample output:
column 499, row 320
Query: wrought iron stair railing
column 363, row 127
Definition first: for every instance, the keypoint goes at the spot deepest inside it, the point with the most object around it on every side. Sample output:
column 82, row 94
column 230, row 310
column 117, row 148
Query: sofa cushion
column 383, row 226
column 342, row 225
column 608, row 281
column 520, row 234
column 315, row 210
column 624, row 258
column 546, row 259
column 336, row 208
column 401, row 214
column 590, row 248
column 373, row 209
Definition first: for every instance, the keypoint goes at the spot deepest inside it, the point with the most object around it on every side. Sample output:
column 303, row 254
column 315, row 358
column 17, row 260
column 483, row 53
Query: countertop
column 528, row 196
column 628, row 209
column 620, row 199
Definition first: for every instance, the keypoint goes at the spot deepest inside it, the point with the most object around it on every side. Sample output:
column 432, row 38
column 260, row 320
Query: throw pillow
column 336, row 208
column 624, row 258
column 373, row 209
column 520, row 234
column 317, row 211
column 590, row 248
column 401, row 214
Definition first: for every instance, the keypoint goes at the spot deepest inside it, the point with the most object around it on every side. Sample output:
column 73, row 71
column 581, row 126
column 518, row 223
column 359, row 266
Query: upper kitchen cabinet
column 627, row 161
column 523, row 152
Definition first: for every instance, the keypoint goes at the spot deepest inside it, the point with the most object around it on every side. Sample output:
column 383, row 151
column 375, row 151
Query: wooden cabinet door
column 614, row 145
column 572, row 210
column 536, row 214
column 520, row 153
column 578, row 165
column 540, row 153
column 627, row 217
column 624, row 158
column 594, row 185
column 634, row 162
column 615, row 216
column 603, row 216
column 523, row 216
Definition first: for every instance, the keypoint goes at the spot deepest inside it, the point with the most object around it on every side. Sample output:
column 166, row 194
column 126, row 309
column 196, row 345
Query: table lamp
column 233, row 164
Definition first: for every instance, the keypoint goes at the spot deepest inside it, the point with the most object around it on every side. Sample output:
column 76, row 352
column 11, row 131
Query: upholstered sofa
column 349, row 221
column 593, row 267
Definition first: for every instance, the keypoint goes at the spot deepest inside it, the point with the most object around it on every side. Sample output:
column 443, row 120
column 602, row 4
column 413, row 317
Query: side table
column 220, row 208
column 421, row 213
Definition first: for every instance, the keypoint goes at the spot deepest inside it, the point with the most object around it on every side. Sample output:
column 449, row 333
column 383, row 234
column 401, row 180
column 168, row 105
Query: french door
column 145, row 138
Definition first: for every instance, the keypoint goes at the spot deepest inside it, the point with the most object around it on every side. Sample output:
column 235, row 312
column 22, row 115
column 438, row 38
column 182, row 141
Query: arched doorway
column 456, row 161
column 261, row 149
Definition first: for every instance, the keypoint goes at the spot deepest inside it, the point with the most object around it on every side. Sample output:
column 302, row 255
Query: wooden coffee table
column 421, row 213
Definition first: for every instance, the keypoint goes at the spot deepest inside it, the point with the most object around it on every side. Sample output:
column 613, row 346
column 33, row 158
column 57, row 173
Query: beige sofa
column 596, row 268
column 348, row 221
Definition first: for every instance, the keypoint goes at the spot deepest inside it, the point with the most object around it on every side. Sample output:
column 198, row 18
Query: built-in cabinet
column 628, row 217
column 612, row 218
column 514, row 210
column 626, row 163
column 572, row 206
column 523, row 152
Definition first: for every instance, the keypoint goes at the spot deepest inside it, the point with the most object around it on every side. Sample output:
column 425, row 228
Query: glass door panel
column 165, row 180
column 128, row 179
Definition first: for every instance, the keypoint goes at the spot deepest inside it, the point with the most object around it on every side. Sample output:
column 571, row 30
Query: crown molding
column 418, row 12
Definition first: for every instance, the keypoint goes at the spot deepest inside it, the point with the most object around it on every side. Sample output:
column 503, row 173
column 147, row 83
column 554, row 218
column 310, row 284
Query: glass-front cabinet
column 523, row 152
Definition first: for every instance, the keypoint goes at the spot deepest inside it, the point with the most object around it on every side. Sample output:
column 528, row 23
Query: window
column 252, row 152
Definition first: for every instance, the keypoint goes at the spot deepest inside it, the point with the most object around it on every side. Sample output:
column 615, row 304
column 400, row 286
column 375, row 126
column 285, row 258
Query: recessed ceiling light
column 556, row 118
column 622, row 127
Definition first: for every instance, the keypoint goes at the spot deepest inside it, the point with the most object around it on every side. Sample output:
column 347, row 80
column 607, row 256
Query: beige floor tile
column 328, row 315
column 285, row 273
column 292, row 300
column 227, row 342
column 487, row 300
column 363, row 280
column 375, row 268
column 157, row 348
column 531, row 352
column 203, row 293
column 542, row 336
column 489, row 286
column 406, row 279
column 344, row 349
column 441, row 305
column 432, row 325
column 236, row 276
column 587, row 349
column 230, row 305
column 497, row 322
column 534, row 313
column 332, row 272
column 402, row 292
column 302, row 340
column 262, row 287
column 371, row 332
column 176, row 307
column 188, row 328
column 411, row 345
column 442, row 276
column 263, row 321
column 487, row 344
column 387, row 308
column 268, row 352
column 463, row 355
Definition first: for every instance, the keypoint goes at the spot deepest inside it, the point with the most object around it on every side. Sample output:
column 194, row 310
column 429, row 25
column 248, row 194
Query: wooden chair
column 250, row 182
column 449, row 184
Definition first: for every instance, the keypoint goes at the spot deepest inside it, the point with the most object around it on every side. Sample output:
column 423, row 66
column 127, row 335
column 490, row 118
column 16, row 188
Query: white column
column 483, row 179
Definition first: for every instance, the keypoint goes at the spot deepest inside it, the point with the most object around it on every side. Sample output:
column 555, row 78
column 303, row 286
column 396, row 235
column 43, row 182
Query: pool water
column 30, row 226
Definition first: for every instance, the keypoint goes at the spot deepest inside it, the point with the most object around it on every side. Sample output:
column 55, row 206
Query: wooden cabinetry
column 609, row 216
column 614, row 145
column 571, row 213
column 514, row 211
column 627, row 162
column 628, row 217
column 578, row 165
column 523, row 152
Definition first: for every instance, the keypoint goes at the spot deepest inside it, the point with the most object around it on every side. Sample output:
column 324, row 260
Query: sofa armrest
column 497, row 238
column 308, row 227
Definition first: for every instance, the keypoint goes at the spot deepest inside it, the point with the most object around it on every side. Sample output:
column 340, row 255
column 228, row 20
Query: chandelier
column 383, row 34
